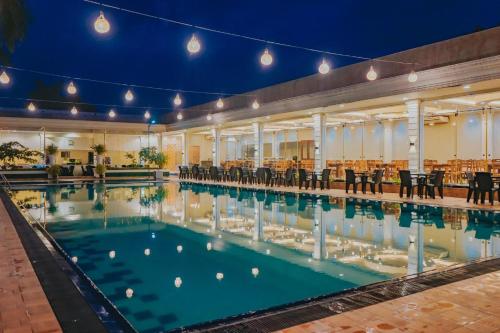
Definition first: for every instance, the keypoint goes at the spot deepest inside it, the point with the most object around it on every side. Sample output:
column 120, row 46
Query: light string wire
column 236, row 35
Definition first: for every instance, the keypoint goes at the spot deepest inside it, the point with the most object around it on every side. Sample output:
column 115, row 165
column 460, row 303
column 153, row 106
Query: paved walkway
column 468, row 306
column 23, row 304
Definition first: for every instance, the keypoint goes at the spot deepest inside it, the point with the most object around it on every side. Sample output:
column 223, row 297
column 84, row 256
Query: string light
column 412, row 77
column 194, row 45
column 4, row 78
column 71, row 89
column 112, row 113
column 31, row 107
column 209, row 117
column 179, row 116
column 371, row 75
column 324, row 68
column 255, row 105
column 220, row 103
column 129, row 96
column 101, row 25
column 266, row 59
column 177, row 100
column 147, row 115
column 74, row 110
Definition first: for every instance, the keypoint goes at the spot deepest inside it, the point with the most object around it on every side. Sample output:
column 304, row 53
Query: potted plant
column 51, row 151
column 160, row 159
column 99, row 149
column 54, row 171
column 100, row 170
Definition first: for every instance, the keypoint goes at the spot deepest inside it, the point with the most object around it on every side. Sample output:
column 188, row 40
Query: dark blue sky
column 138, row 50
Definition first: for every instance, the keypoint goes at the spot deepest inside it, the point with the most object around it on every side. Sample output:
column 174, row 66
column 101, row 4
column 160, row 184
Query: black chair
column 376, row 180
column 435, row 181
column 305, row 179
column 472, row 186
column 260, row 176
column 195, row 172
column 406, row 182
column 324, row 180
column 246, row 176
column 181, row 173
column 485, row 185
column 275, row 178
column 289, row 177
column 71, row 170
column 351, row 179
column 221, row 174
column 233, row 173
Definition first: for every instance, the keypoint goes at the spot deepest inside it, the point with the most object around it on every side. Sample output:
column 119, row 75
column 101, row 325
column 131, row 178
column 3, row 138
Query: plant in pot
column 100, row 170
column 99, row 150
column 54, row 171
column 51, row 151
column 160, row 159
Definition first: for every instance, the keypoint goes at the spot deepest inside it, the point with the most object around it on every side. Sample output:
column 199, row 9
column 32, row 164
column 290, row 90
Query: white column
column 319, row 233
column 487, row 134
column 387, row 152
column 416, row 248
column 275, row 146
column 185, row 148
column 415, row 135
column 319, row 135
column 258, row 227
column 258, row 140
column 216, row 147
column 238, row 147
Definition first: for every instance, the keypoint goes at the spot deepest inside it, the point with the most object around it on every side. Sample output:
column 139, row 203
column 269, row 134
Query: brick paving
column 23, row 304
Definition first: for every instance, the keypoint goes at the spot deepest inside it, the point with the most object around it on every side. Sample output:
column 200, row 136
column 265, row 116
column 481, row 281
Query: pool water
column 175, row 255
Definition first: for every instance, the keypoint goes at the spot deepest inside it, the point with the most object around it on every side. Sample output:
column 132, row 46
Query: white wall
column 400, row 140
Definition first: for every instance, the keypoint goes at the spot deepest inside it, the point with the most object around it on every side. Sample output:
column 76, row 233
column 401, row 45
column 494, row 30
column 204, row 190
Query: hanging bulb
column 177, row 100
column 147, row 115
column 129, row 96
column 4, row 78
column 74, row 110
column 101, row 25
column 209, row 117
column 220, row 103
column 193, row 46
column 324, row 68
column 371, row 75
column 112, row 113
column 412, row 77
column 266, row 58
column 255, row 105
column 31, row 107
column 71, row 88
column 179, row 116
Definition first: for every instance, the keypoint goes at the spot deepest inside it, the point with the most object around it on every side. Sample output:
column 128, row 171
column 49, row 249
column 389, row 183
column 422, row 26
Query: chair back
column 438, row 179
column 350, row 177
column 325, row 175
column 471, row 180
column 71, row 170
column 405, row 177
column 484, row 181
column 195, row 171
column 289, row 174
column 302, row 174
column 380, row 175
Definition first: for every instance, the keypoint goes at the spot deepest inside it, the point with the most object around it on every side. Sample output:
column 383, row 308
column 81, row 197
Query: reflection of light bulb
column 112, row 113
column 101, row 25
column 177, row 100
column 31, row 107
column 129, row 292
column 219, row 276
column 209, row 117
column 193, row 46
column 147, row 115
column 147, row 252
column 179, row 248
column 71, row 89
column 268, row 251
column 129, row 96
column 74, row 259
column 4, row 78
column 179, row 116
column 74, row 110
column 112, row 254
column 324, row 68
column 255, row 271
column 412, row 77
column 209, row 246
column 178, row 282
column 255, row 105
column 371, row 75
column 266, row 59
column 220, row 103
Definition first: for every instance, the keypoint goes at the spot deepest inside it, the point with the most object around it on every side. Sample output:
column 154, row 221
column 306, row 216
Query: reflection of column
column 387, row 152
column 319, row 136
column 275, row 146
column 258, row 134
column 258, row 227
column 487, row 134
column 416, row 248
column 319, row 233
column 185, row 208
column 389, row 221
column 415, row 135
column 216, row 213
column 486, row 248
column 216, row 147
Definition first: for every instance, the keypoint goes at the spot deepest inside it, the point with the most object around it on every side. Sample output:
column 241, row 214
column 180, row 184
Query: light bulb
column 266, row 58
column 71, row 88
column 178, row 282
column 209, row 246
column 74, row 259
column 74, row 110
column 371, row 75
column 255, row 271
column 129, row 96
column 147, row 252
column 4, row 78
column 147, row 115
column 209, row 117
column 412, row 77
column 219, row 276
column 112, row 254
column 112, row 113
column 193, row 46
column 255, row 105
column 31, row 107
column 101, row 25
column 179, row 116
column 177, row 100
column 220, row 103
column 129, row 292
column 179, row 248
column 324, row 68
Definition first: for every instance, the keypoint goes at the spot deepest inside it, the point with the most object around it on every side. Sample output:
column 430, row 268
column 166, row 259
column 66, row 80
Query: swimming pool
column 175, row 255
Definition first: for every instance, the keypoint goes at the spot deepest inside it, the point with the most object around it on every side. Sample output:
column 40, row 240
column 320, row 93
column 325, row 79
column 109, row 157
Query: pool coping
column 77, row 303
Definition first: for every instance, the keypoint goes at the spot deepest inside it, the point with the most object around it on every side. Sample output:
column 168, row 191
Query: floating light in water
column 268, row 251
column 112, row 254
column 153, row 235
column 74, row 259
column 178, row 282
column 147, row 252
column 194, row 45
column 101, row 24
column 255, row 271
column 209, row 246
column 371, row 75
column 266, row 59
column 219, row 276
column 129, row 96
column 179, row 248
column 71, row 88
column 129, row 292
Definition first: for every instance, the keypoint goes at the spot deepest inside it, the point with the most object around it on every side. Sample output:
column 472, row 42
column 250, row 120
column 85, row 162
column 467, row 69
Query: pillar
column 216, row 147
column 415, row 135
column 258, row 140
column 319, row 136
column 416, row 248
column 258, row 228
column 185, row 148
column 275, row 146
column 387, row 150
column 237, row 143
column 487, row 134
column 319, row 232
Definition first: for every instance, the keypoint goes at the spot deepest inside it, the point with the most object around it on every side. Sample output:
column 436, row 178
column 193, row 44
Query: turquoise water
column 195, row 253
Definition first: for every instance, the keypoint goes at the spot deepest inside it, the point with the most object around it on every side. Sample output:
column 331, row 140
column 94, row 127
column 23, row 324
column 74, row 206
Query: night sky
column 61, row 39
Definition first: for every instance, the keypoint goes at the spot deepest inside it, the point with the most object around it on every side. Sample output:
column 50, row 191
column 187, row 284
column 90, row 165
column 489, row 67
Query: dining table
column 421, row 178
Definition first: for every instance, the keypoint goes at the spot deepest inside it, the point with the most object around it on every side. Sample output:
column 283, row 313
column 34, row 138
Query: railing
column 5, row 181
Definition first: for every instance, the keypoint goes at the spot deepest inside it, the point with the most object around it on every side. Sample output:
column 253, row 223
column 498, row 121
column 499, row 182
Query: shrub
column 51, row 149
column 100, row 169
column 99, row 149
column 54, row 170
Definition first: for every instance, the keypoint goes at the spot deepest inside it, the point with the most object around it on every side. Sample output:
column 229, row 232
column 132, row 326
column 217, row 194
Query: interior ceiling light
column 194, row 45
column 101, row 25
column 324, row 68
column 371, row 75
column 266, row 58
column 71, row 88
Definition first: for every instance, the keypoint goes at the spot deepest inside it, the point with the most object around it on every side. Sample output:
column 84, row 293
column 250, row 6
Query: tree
column 14, row 151
column 14, row 20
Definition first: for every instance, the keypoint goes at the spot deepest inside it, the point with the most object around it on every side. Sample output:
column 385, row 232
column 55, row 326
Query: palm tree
column 14, row 19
